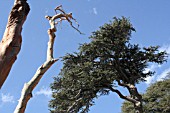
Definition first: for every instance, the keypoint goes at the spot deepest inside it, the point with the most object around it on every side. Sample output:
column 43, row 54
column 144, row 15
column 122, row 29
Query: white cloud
column 44, row 91
column 7, row 98
column 163, row 75
column 154, row 67
column 167, row 49
column 151, row 79
column 154, row 78
column 151, row 68
column 95, row 11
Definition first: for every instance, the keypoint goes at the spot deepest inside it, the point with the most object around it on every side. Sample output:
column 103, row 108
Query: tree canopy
column 108, row 61
column 156, row 99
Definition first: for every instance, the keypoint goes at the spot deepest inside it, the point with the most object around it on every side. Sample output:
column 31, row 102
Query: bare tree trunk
column 28, row 87
column 10, row 44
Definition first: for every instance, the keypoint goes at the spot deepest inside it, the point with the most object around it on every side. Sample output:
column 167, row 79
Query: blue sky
column 150, row 18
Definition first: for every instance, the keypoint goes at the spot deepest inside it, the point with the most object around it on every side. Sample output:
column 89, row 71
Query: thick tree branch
column 134, row 95
column 132, row 89
column 50, row 45
column 123, row 84
column 29, row 87
column 122, row 96
column 10, row 44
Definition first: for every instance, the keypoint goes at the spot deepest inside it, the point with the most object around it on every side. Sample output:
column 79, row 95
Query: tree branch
column 60, row 17
column 134, row 95
column 132, row 89
column 71, row 107
column 122, row 96
column 122, row 84
column 29, row 87
column 77, row 96
column 50, row 45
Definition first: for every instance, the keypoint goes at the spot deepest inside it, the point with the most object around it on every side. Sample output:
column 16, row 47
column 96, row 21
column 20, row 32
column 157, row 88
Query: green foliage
column 156, row 99
column 128, row 107
column 108, row 58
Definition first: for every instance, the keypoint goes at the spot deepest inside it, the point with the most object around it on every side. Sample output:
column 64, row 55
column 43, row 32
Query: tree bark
column 10, row 44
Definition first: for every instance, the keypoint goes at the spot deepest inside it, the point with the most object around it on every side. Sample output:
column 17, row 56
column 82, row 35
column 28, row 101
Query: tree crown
column 108, row 58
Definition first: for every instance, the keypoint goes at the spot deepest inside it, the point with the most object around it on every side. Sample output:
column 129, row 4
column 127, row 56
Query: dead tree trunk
column 26, row 93
column 10, row 44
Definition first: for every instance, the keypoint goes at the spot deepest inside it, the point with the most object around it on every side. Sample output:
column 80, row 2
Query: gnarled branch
column 122, row 96
column 60, row 17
